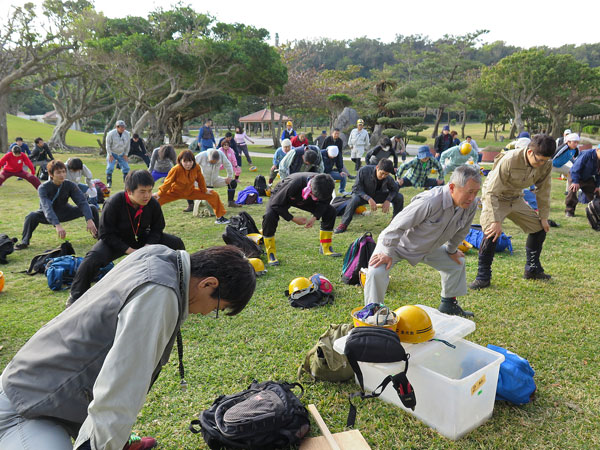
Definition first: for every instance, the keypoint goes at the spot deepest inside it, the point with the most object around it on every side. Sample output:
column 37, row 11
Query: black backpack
column 233, row 236
column 260, row 184
column 357, row 257
column 7, row 246
column 592, row 210
column 38, row 263
column 244, row 223
column 377, row 345
column 265, row 416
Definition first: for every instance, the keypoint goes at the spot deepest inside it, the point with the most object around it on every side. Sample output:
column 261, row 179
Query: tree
column 26, row 47
column 517, row 79
column 402, row 117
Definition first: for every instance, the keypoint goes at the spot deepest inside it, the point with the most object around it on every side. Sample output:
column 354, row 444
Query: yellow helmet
column 360, row 122
column 465, row 148
column 465, row 246
column 256, row 237
column 414, row 325
column 252, row 169
column 259, row 266
column 268, row 192
column 361, row 209
column 299, row 287
column 1, row 281
column 289, row 123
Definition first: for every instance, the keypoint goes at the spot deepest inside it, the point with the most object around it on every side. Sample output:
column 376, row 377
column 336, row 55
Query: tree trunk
column 464, row 123
column 3, row 125
column 518, row 122
column 512, row 133
column 485, row 132
column 438, row 119
column 273, row 134
column 59, row 134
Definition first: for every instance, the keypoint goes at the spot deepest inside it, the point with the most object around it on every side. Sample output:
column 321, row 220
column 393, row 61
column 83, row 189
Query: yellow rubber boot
column 325, row 238
column 270, row 248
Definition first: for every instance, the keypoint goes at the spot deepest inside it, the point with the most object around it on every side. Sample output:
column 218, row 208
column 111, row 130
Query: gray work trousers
column 454, row 278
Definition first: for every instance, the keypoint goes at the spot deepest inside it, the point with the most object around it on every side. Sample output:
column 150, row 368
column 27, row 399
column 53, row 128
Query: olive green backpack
column 322, row 362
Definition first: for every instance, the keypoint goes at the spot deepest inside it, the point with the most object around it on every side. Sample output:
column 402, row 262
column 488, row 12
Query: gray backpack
column 322, row 362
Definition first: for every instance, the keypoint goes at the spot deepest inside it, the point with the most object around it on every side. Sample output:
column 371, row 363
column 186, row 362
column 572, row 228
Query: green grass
column 29, row 130
column 554, row 325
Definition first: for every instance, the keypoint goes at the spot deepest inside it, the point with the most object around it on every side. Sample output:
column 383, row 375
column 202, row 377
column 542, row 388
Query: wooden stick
column 323, row 427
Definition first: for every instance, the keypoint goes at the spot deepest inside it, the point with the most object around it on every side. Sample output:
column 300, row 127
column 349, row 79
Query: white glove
column 92, row 192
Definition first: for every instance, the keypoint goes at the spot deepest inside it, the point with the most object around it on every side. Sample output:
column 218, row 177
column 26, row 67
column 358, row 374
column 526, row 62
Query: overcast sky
column 523, row 23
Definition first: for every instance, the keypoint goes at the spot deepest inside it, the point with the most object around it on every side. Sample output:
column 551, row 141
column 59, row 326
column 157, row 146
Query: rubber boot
column 230, row 201
column 533, row 249
column 450, row 306
column 109, row 180
column 270, row 248
column 325, row 240
column 484, row 268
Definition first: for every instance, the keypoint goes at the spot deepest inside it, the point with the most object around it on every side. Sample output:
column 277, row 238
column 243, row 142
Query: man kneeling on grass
column 130, row 220
column 86, row 373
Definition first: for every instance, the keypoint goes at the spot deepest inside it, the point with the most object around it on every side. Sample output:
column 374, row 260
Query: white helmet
column 333, row 151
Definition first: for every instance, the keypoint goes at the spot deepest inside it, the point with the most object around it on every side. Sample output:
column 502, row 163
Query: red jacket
column 298, row 143
column 12, row 163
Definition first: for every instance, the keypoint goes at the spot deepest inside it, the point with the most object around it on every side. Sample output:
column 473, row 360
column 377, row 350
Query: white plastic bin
column 455, row 387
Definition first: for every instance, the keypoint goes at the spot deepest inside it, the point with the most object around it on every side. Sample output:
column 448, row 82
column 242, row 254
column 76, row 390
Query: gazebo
column 263, row 116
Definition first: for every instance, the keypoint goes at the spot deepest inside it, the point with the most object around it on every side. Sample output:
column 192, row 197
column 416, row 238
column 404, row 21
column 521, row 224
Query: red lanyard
column 138, row 215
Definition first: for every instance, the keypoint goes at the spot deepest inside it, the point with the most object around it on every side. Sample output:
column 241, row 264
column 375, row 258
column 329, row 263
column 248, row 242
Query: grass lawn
column 555, row 325
column 29, row 130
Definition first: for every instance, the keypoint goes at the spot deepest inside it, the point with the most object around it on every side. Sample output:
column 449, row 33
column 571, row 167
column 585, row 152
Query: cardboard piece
column 346, row 440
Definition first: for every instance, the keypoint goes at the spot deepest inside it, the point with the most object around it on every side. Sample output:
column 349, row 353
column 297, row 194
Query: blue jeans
column 19, row 433
column 336, row 176
column 158, row 175
column 110, row 166
column 91, row 200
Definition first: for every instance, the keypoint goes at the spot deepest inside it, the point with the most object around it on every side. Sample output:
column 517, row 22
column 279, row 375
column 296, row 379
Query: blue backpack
column 515, row 380
column 357, row 257
column 62, row 270
column 476, row 235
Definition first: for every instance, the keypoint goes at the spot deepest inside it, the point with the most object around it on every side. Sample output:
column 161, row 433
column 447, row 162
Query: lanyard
column 138, row 215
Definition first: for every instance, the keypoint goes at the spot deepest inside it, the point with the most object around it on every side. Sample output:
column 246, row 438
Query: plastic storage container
column 455, row 387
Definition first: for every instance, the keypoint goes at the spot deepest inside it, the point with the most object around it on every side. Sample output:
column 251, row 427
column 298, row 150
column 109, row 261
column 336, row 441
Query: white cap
column 120, row 123
column 572, row 137
column 567, row 131
column 286, row 143
column 522, row 143
column 333, row 151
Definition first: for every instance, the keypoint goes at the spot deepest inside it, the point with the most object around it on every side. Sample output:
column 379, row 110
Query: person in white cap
column 561, row 140
column 117, row 150
column 332, row 158
column 358, row 143
column 565, row 156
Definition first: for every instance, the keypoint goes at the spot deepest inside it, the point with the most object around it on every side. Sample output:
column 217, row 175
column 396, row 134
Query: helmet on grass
column 259, row 266
column 299, row 287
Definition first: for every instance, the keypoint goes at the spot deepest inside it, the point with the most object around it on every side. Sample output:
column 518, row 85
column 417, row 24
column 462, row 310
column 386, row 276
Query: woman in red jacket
column 11, row 165
column 180, row 184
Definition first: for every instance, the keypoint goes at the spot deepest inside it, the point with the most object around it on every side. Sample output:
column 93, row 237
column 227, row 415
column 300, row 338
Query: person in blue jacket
column 332, row 158
column 585, row 175
column 206, row 137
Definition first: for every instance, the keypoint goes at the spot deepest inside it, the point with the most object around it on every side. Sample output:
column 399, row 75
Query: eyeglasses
column 218, row 302
column 537, row 160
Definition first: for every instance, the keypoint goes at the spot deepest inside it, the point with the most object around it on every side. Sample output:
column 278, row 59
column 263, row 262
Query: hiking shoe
column 352, row 177
column 479, row 284
column 21, row 246
column 340, row 229
column 569, row 214
column 189, row 209
column 222, row 221
column 137, row 443
column 233, row 204
column 451, row 307
column 528, row 275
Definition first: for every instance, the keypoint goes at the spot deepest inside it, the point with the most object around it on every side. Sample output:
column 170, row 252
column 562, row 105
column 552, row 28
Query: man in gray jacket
column 86, row 373
column 117, row 151
column 429, row 230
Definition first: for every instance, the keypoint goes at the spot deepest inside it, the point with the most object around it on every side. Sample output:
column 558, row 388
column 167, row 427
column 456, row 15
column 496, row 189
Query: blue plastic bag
column 476, row 235
column 515, row 380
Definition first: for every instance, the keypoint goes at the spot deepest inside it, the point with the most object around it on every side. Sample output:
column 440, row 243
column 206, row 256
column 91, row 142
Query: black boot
column 533, row 249
column 450, row 306
column 357, row 164
column 230, row 201
column 109, row 180
column 484, row 268
column 190, row 206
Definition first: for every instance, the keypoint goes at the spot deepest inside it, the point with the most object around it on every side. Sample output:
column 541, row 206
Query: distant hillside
column 29, row 130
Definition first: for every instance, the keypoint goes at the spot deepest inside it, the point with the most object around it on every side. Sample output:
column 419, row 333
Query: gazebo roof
column 264, row 115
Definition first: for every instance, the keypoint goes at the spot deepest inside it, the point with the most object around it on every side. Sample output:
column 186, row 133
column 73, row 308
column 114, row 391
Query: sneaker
column 137, row 443
column 479, row 284
column 342, row 193
column 528, row 275
column 21, row 246
column 341, row 228
column 351, row 177
column 453, row 308
column 222, row 221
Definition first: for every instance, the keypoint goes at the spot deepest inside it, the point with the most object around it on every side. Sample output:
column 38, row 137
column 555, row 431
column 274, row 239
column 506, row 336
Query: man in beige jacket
column 502, row 197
